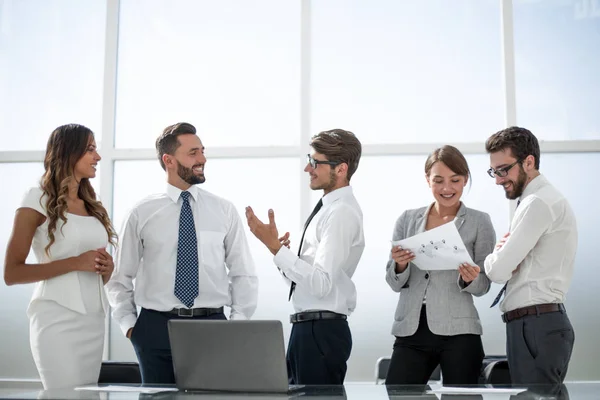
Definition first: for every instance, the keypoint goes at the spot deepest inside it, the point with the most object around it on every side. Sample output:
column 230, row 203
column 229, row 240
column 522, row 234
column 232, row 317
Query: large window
column 257, row 78
column 51, row 68
column 232, row 68
column 17, row 178
column 557, row 55
column 407, row 71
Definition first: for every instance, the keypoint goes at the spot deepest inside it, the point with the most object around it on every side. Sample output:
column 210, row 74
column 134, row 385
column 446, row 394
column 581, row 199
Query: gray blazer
column 450, row 308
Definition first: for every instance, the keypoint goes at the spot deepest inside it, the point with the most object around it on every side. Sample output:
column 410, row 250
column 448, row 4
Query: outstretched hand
column 266, row 233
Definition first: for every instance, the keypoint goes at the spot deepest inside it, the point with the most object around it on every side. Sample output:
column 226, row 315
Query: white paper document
column 135, row 389
column 474, row 390
column 437, row 249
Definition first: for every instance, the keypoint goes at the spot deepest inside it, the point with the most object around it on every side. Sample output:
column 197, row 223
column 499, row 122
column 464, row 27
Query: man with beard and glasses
column 188, row 253
column 535, row 259
column 320, row 273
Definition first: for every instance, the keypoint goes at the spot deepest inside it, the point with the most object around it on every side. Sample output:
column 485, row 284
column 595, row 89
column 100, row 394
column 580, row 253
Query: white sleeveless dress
column 67, row 313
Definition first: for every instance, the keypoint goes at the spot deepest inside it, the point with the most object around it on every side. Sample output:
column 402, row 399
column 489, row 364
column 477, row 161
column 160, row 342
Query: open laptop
column 231, row 356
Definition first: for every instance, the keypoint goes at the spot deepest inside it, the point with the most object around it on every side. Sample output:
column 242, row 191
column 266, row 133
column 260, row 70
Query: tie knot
column 185, row 195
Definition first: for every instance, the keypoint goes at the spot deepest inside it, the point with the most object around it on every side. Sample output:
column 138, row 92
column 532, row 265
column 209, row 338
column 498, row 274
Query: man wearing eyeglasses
column 320, row 273
column 535, row 259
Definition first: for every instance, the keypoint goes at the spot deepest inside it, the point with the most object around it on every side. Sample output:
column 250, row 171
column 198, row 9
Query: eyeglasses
column 501, row 172
column 313, row 163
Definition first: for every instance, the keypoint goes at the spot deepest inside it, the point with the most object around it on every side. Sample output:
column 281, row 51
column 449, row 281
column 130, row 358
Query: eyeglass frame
column 501, row 172
column 315, row 163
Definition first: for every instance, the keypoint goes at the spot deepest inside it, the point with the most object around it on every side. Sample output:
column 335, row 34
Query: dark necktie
column 310, row 217
column 497, row 299
column 186, row 275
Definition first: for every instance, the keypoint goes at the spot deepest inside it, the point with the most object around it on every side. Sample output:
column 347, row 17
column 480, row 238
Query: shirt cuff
column 237, row 316
column 127, row 323
column 285, row 260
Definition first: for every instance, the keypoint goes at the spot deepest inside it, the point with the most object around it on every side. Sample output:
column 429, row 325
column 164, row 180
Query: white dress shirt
column 148, row 254
column 538, row 257
column 333, row 244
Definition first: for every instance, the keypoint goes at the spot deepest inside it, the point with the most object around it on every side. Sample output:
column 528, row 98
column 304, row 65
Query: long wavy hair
column 66, row 145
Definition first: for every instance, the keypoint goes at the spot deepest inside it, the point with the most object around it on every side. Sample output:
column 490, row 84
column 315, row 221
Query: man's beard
column 518, row 186
column 188, row 175
column 329, row 185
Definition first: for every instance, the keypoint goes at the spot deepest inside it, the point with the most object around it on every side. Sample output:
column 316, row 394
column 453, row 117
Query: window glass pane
column 51, row 68
column 407, row 71
column 243, row 182
column 565, row 171
column 14, row 324
column 557, row 59
column 230, row 68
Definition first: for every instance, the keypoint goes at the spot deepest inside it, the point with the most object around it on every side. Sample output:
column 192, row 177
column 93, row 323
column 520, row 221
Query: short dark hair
column 167, row 142
column 520, row 141
column 452, row 158
column 340, row 146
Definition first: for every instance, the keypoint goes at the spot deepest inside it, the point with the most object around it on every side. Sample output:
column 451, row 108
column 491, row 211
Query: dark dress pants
column 150, row 339
column 539, row 348
column 318, row 351
column 415, row 357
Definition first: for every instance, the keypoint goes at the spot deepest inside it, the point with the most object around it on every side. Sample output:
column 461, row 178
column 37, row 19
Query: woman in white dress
column 68, row 230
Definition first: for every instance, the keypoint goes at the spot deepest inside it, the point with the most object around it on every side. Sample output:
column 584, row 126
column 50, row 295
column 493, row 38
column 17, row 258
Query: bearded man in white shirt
column 535, row 259
column 186, row 250
column 320, row 274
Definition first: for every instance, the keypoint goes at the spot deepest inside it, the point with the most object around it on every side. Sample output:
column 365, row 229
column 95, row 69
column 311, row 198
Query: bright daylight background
column 258, row 78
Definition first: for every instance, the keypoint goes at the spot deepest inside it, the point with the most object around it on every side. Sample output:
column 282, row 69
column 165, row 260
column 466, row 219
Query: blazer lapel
column 421, row 221
column 460, row 216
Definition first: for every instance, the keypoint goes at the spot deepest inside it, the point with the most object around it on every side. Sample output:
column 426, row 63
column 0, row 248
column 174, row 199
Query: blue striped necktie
column 186, row 275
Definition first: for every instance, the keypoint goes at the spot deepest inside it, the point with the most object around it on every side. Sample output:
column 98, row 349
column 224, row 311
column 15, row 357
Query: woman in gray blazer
column 436, row 321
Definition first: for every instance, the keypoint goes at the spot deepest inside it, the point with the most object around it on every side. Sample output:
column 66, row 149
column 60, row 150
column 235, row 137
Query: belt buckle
column 295, row 318
column 185, row 312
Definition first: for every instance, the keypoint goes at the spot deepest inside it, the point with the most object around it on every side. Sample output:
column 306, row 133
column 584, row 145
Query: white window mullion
column 107, row 135
column 508, row 62
column 305, row 104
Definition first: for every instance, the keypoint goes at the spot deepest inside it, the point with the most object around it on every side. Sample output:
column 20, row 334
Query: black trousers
column 415, row 357
column 150, row 339
column 318, row 351
column 539, row 348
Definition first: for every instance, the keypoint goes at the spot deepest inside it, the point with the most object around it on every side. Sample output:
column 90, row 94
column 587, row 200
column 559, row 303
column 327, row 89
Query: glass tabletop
column 351, row 391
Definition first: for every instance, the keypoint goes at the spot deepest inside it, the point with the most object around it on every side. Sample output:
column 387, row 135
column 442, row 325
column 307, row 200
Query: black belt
column 312, row 315
column 194, row 312
column 532, row 310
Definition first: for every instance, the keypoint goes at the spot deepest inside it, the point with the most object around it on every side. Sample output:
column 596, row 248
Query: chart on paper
column 439, row 248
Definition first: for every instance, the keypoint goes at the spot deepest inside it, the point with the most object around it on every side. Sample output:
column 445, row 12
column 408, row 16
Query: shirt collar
column 174, row 192
column 337, row 194
column 533, row 186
